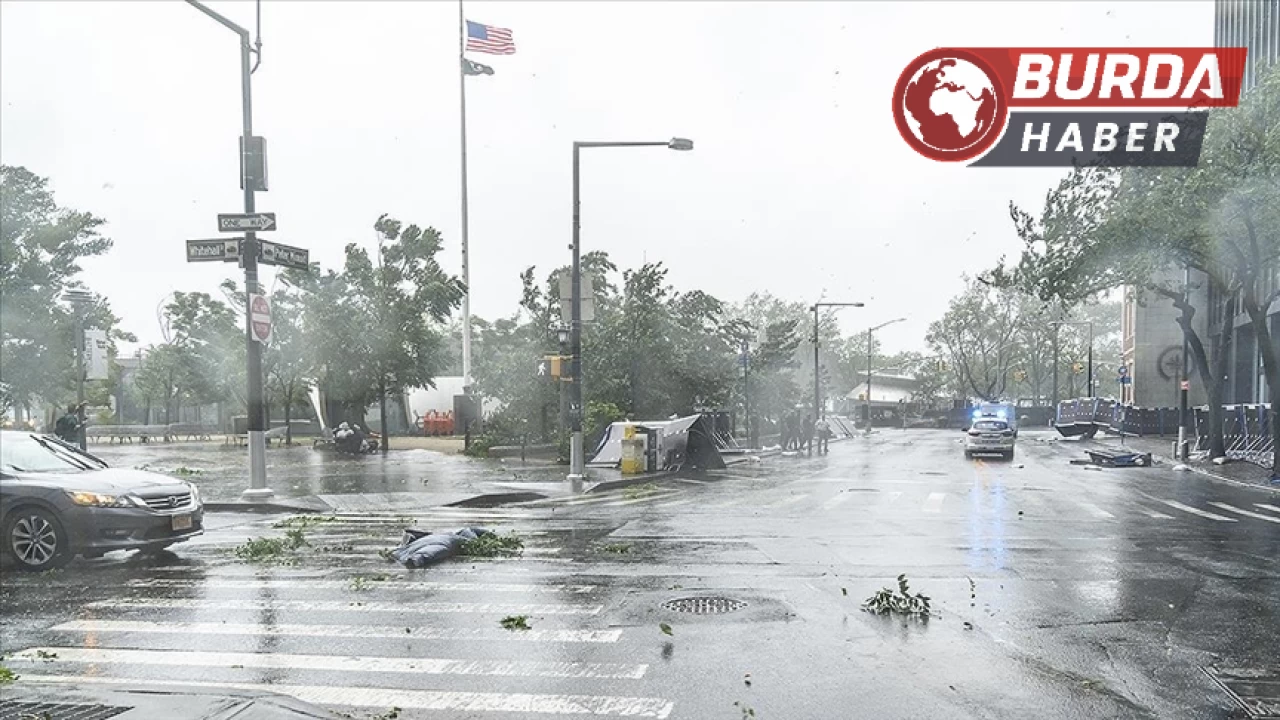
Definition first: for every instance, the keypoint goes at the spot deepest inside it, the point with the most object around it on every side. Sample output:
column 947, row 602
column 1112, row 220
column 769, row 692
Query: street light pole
column 577, row 459
column 869, row 340
column 1184, row 384
column 258, row 489
column 817, row 377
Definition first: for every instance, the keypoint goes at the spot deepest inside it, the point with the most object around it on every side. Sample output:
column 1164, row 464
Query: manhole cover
column 58, row 711
column 1256, row 690
column 704, row 605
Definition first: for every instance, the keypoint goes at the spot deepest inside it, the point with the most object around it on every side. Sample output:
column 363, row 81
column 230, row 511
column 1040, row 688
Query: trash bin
column 633, row 455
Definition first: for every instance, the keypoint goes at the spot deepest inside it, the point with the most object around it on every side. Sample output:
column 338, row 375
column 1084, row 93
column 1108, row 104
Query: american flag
column 489, row 39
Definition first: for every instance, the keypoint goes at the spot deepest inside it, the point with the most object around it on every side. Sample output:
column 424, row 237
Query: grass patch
column 184, row 471
column 887, row 601
column 493, row 545
column 617, row 548
column 635, row 492
column 516, row 622
column 7, row 676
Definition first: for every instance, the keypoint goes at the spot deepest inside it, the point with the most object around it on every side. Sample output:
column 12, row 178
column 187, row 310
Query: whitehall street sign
column 284, row 255
column 240, row 223
column 260, row 318
column 214, row 250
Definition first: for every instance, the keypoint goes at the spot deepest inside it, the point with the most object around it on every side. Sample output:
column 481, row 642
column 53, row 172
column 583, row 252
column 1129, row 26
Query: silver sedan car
column 57, row 502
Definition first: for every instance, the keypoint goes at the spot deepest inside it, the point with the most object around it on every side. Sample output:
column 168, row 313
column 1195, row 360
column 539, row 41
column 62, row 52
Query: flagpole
column 466, row 258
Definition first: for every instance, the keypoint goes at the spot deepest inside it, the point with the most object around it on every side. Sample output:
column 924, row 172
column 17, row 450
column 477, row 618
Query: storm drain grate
column 1256, row 690
column 57, row 711
column 704, row 605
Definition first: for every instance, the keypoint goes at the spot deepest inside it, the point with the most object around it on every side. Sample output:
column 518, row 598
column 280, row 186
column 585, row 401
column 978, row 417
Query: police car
column 993, row 430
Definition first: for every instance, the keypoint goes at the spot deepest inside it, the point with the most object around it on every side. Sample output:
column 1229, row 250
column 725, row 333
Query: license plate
column 182, row 522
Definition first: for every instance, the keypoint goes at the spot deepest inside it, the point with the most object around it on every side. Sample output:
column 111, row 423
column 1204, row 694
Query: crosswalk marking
column 335, row 663
column 1094, row 510
column 339, row 631
column 1246, row 513
column 473, row 702
column 308, row 583
column 933, row 503
column 837, row 501
column 1196, row 511
column 1265, row 506
column 353, row 606
column 1153, row 514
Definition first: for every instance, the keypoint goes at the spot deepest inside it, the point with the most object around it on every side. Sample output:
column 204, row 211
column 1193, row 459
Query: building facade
column 1152, row 341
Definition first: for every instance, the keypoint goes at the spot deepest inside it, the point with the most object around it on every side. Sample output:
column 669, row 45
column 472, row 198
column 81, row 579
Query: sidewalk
column 1162, row 450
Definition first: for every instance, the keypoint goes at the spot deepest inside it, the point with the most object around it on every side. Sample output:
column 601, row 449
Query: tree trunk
column 1210, row 376
column 1270, row 369
column 288, row 417
column 382, row 414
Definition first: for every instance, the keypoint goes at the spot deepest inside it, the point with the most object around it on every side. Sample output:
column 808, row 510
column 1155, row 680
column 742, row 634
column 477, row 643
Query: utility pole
column 258, row 489
column 79, row 299
column 1184, row 381
column 746, row 388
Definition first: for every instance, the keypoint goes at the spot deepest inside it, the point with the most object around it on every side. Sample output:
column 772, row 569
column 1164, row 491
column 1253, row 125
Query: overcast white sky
column 799, row 183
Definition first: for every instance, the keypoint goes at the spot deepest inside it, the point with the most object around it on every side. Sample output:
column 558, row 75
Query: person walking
column 785, row 431
column 806, row 433
column 823, row 428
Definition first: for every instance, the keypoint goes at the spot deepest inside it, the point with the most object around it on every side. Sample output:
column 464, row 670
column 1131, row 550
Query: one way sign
column 240, row 223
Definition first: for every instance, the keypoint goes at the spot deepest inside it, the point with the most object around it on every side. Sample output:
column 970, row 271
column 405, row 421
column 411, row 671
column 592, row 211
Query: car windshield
column 991, row 425
column 24, row 452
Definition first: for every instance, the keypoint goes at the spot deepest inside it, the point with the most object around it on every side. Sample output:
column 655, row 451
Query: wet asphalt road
column 1095, row 594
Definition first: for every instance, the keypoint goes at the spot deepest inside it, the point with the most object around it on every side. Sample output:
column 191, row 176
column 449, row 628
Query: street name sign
column 213, row 250
column 260, row 318
column 284, row 255
column 242, row 222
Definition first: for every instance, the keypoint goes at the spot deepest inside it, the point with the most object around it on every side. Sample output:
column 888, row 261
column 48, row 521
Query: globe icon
column 951, row 107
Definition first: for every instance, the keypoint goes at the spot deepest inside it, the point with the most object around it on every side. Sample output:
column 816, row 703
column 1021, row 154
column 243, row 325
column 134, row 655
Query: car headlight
column 92, row 499
column 195, row 494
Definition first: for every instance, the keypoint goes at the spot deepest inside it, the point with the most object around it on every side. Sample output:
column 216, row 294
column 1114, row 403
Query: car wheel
column 36, row 539
column 968, row 455
column 1008, row 455
column 155, row 550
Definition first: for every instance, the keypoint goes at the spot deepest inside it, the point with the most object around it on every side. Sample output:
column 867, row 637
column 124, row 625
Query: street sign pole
column 258, row 490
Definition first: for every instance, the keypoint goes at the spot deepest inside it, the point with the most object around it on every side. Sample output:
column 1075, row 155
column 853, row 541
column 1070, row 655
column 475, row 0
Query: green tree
column 41, row 247
column 378, row 326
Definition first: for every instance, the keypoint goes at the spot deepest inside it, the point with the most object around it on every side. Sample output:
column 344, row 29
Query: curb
column 261, row 507
column 489, row 500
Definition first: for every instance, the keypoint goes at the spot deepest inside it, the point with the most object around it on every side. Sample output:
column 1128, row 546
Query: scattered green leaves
column 305, row 521
column 888, row 602
column 747, row 710
column 665, row 628
column 493, row 545
column 272, row 550
column 635, row 492
column 516, row 622
column 7, row 676
column 185, row 471
column 46, row 656
column 616, row 548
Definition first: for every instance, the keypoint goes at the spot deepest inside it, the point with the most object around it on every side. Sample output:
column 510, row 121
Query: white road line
column 1153, row 514
column 1265, row 506
column 352, row 606
column 522, row 703
column 642, row 499
column 339, row 631
column 788, row 501
column 1246, row 513
column 1094, row 510
column 305, row 583
column 1196, row 511
column 837, row 501
column 335, row 663
column 933, row 503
